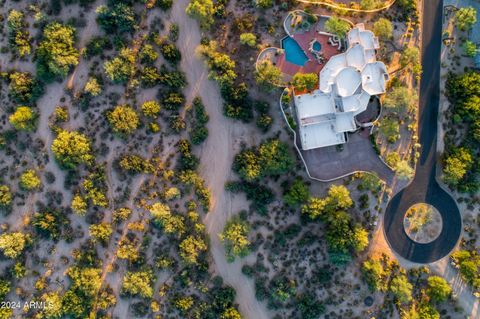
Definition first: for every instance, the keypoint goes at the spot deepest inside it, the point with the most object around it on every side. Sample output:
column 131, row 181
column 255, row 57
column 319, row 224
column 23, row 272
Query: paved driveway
column 424, row 188
column 357, row 155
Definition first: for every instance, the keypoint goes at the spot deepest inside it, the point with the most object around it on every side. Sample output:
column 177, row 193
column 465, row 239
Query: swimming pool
column 317, row 46
column 293, row 52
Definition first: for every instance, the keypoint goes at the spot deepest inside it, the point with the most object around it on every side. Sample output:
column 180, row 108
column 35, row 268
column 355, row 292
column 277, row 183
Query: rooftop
column 346, row 83
column 348, row 80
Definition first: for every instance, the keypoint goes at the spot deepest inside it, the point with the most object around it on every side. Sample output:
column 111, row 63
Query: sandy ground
column 216, row 158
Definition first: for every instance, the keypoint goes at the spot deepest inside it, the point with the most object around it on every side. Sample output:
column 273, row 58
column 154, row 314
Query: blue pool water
column 293, row 52
column 317, row 46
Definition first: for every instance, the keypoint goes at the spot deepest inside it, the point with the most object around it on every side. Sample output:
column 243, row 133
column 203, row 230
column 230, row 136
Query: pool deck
column 311, row 66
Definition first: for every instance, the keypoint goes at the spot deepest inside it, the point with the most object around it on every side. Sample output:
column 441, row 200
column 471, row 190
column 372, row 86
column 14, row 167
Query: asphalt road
column 425, row 188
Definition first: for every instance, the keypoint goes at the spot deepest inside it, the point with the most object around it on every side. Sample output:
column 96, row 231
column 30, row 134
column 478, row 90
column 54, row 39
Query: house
column 346, row 84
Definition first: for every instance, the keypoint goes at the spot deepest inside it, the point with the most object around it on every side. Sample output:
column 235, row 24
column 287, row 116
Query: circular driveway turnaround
column 424, row 188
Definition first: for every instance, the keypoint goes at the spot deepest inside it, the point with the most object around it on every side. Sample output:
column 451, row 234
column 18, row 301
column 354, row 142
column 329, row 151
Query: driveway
column 328, row 163
column 424, row 187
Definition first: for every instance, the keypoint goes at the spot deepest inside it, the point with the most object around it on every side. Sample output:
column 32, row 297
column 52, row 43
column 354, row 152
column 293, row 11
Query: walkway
column 425, row 188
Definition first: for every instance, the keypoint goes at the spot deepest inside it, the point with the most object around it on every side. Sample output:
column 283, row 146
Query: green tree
column 222, row 67
column 404, row 170
column 118, row 18
column 60, row 114
column 96, row 45
column 56, row 53
column 184, row 303
column 249, row 39
column 127, row 249
column 339, row 233
column 264, row 4
column 247, row 165
column 87, row 280
column 268, row 76
column 6, row 313
column 48, row 224
column 370, row 181
column 54, row 309
column 100, row 232
column 401, row 288
column 121, row 214
column 12, row 244
column 408, row 6
column 310, row 307
column 165, row 4
column 123, row 119
column 457, row 165
column 401, row 98
column 427, row 311
column 172, row 193
column 190, row 249
column 314, row 208
column 71, row 149
column 465, row 18
column 171, row 223
column 203, row 11
column 470, row 48
column 305, row 81
column 121, row 68
column 270, row 158
column 471, row 108
column 274, row 157
column 151, row 108
column 374, row 274
column 338, row 198
column 23, row 118
column 297, row 193
column 134, row 163
column 468, row 263
column 411, row 59
column 18, row 32
column 4, row 288
column 359, row 239
column 469, row 271
column 171, row 53
column 93, row 87
column 235, row 238
column 438, row 289
column 337, row 26
column 461, row 87
column 79, row 205
column 383, row 28
column 148, row 54
column 5, row 196
column 15, row 20
column 29, row 180
column 24, row 88
column 369, row 4
column 138, row 283
column 390, row 128
column 230, row 313
column 74, row 303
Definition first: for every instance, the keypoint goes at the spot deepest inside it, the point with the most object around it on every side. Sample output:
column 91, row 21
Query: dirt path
column 79, row 76
column 215, row 157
